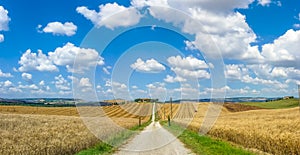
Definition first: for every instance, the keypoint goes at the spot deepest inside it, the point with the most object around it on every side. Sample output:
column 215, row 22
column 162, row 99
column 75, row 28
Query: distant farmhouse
column 288, row 97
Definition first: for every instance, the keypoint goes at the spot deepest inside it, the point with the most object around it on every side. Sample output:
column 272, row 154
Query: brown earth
column 237, row 107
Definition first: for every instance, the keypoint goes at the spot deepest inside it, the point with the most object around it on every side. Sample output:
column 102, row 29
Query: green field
column 280, row 104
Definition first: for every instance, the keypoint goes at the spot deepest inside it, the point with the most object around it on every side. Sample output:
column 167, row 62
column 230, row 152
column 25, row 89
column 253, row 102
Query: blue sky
column 106, row 49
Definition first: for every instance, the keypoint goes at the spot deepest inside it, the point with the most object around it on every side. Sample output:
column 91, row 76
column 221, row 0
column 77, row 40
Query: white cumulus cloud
column 279, row 72
column 61, row 83
column 76, row 59
column 188, row 91
column 26, row 76
column 270, row 72
column 7, row 75
column 85, row 82
column 231, row 92
column 191, row 74
column 260, row 81
column 42, row 83
column 171, row 79
column 30, row 87
column 188, row 67
column 105, row 70
column 15, row 90
column 119, row 90
column 264, row 2
column 219, row 31
column 158, row 91
column 85, row 85
column 297, row 26
column 58, row 28
column 111, row 15
column 1, row 38
column 214, row 6
column 283, row 51
column 148, row 66
column 7, row 83
column 36, row 61
column 189, row 62
column 235, row 71
column 4, row 19
column 215, row 25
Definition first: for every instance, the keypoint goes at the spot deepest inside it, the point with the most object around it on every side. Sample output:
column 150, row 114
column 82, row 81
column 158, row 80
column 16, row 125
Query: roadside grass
column 103, row 148
column 204, row 145
column 280, row 104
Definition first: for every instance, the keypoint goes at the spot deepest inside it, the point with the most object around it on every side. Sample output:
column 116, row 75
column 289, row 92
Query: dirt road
column 154, row 140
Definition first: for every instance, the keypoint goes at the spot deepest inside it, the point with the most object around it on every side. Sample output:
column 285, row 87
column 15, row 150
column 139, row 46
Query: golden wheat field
column 42, row 134
column 48, row 130
column 271, row 131
column 164, row 110
column 62, row 111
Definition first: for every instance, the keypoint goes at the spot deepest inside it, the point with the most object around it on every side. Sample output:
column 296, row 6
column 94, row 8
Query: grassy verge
column 106, row 149
column 280, row 104
column 204, row 145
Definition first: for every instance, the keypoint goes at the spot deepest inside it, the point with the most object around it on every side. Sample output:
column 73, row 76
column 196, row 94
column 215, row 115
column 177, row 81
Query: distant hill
column 233, row 99
column 39, row 101
column 73, row 102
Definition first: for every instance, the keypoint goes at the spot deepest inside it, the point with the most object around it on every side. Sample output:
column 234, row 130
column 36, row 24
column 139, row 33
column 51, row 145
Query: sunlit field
column 274, row 131
column 60, row 130
column 49, row 130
